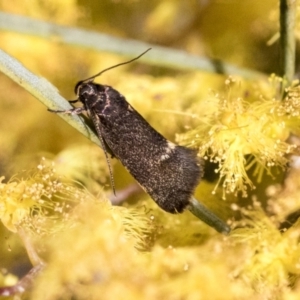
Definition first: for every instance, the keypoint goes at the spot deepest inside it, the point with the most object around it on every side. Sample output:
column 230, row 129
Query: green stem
column 158, row 56
column 207, row 216
column 287, row 40
column 31, row 251
column 45, row 92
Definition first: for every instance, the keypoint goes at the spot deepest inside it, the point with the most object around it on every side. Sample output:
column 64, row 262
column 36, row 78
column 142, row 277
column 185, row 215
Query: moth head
column 89, row 92
column 85, row 88
column 81, row 85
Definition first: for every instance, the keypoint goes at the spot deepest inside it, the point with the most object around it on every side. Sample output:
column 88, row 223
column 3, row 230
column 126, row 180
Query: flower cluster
column 244, row 132
column 36, row 201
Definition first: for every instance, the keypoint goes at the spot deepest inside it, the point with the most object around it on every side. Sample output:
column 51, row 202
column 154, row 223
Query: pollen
column 242, row 133
column 35, row 201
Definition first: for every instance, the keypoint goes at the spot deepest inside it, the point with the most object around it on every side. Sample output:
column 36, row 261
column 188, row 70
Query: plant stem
column 287, row 40
column 45, row 92
column 158, row 56
column 207, row 216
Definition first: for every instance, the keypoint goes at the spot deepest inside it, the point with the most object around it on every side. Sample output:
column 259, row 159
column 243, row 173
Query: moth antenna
column 112, row 67
column 112, row 181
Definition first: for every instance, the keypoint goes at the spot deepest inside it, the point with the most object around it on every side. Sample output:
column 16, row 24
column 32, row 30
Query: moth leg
column 72, row 111
column 96, row 122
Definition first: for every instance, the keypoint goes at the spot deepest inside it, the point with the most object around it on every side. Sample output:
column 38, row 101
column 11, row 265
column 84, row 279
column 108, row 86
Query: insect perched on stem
column 167, row 172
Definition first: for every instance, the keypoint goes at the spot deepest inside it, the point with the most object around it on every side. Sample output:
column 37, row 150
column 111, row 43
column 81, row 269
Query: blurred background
column 243, row 33
column 236, row 32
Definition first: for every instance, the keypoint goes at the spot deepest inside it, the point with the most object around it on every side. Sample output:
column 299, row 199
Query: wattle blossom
column 244, row 130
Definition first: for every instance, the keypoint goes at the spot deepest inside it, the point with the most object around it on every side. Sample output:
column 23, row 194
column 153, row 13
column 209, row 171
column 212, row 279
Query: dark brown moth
column 169, row 173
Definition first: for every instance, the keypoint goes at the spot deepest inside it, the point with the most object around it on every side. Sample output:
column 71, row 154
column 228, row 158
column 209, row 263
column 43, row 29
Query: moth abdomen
column 178, row 176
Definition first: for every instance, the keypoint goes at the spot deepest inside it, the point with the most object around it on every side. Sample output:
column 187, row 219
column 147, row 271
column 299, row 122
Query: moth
column 169, row 173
